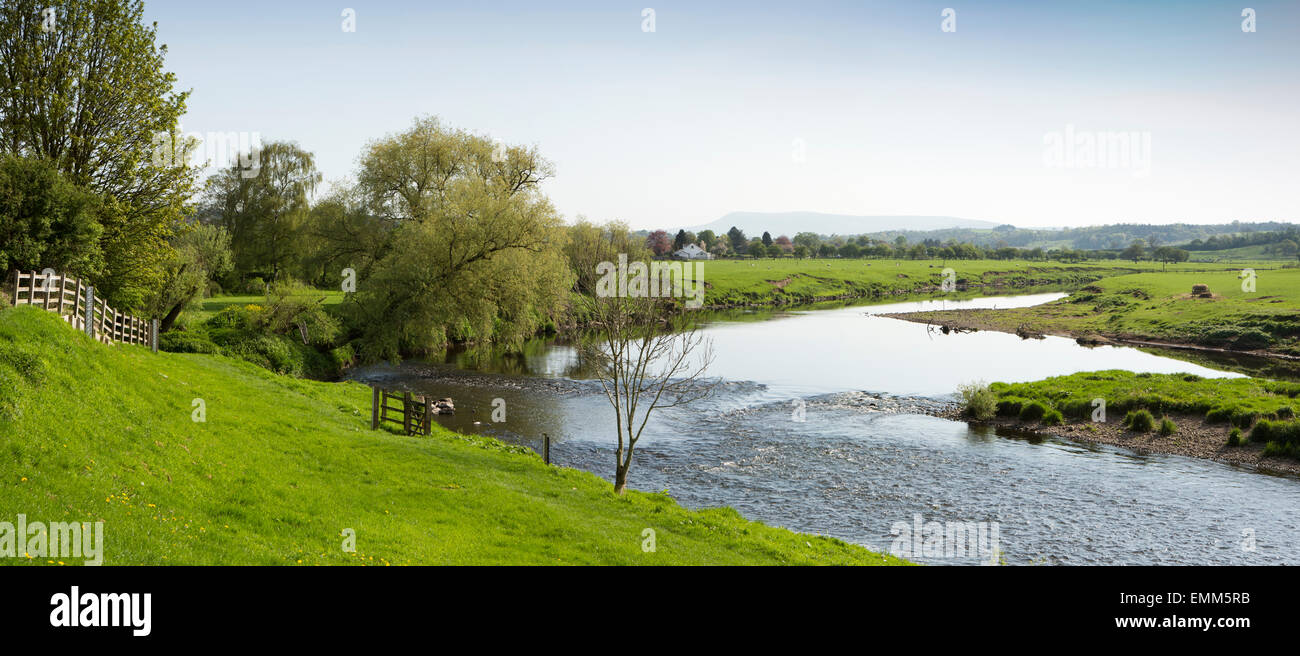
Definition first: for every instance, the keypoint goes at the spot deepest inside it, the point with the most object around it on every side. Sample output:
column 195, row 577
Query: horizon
column 859, row 110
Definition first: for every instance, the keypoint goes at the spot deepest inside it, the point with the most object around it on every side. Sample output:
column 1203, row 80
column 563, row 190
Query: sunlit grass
column 281, row 467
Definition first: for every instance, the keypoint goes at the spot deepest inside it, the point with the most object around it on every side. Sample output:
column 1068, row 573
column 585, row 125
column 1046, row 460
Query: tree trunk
column 620, row 479
column 167, row 321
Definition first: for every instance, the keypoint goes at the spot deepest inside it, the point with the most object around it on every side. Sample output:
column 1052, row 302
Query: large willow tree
column 473, row 248
column 84, row 88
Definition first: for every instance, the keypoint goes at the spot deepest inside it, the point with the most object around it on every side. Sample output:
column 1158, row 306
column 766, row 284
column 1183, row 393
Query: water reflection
column 853, row 468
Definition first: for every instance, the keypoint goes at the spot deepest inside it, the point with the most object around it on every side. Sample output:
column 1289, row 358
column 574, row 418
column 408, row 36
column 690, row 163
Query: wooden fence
column 416, row 412
column 75, row 302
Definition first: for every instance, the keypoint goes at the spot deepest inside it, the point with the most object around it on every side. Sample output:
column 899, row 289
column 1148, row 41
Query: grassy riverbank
column 281, row 467
column 1245, row 420
column 1160, row 308
column 731, row 283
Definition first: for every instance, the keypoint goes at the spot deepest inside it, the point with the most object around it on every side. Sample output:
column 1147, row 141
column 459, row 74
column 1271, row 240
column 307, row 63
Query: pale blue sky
column 702, row 116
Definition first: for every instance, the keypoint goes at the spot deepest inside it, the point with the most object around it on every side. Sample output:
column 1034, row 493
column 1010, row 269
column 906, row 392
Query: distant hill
column 789, row 223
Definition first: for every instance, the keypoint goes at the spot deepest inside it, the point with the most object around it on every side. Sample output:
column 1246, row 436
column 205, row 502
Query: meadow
column 789, row 281
column 1237, row 313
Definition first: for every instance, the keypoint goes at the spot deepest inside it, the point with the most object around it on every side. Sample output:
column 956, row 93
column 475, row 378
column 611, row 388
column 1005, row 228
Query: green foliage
column 1234, row 437
column 979, row 400
column 1033, row 410
column 92, row 97
column 178, row 341
column 46, row 221
column 475, row 247
column 1168, row 427
column 298, row 310
column 265, row 214
column 1053, row 417
column 1280, row 438
column 1139, row 421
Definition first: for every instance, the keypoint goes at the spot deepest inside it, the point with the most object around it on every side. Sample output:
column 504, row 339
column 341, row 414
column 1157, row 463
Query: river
column 820, row 426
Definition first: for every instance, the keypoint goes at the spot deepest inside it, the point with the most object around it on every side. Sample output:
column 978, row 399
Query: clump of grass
column 1053, row 417
column 1167, row 427
column 1234, row 437
column 980, row 401
column 1139, row 421
column 1280, row 438
column 1033, row 411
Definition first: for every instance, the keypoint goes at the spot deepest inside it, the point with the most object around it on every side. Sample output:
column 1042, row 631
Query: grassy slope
column 282, row 466
column 787, row 280
column 1159, row 306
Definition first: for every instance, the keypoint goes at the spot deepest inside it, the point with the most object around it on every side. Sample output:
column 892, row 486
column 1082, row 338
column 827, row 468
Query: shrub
column 980, row 402
column 1010, row 406
column 1140, row 421
column 1284, row 432
column 187, row 342
column 1168, row 427
column 255, row 285
column 1053, row 417
column 1033, row 410
column 298, row 310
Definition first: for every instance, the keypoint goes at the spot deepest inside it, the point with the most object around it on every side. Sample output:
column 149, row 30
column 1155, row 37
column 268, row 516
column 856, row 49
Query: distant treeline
column 1107, row 237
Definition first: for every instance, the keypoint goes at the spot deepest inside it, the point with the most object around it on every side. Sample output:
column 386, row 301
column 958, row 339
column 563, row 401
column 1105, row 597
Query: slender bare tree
column 643, row 364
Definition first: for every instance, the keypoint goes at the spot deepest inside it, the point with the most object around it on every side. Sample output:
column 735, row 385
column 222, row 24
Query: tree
column 46, row 221
column 1135, row 251
column 476, row 250
column 680, row 242
column 738, row 240
column 801, row 251
column 785, row 243
column 809, row 239
column 200, row 255
column 659, row 242
column 265, row 214
column 708, row 238
column 589, row 245
column 767, row 238
column 89, row 94
column 642, row 366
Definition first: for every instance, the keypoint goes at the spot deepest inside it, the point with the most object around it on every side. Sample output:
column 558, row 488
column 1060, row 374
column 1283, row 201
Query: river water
column 820, row 425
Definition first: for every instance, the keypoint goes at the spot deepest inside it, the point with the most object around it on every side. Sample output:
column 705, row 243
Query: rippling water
column 866, row 456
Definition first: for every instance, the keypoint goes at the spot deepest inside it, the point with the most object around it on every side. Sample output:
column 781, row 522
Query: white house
column 692, row 252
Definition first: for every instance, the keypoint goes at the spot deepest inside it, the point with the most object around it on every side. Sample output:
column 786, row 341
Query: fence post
column 546, row 449
column 406, row 412
column 376, row 400
column 428, row 415
column 153, row 336
column 63, row 290
column 90, row 311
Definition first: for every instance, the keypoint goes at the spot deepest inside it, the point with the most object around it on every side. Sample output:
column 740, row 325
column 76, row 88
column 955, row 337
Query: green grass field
column 1161, row 306
column 788, row 281
column 215, row 304
column 281, row 467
